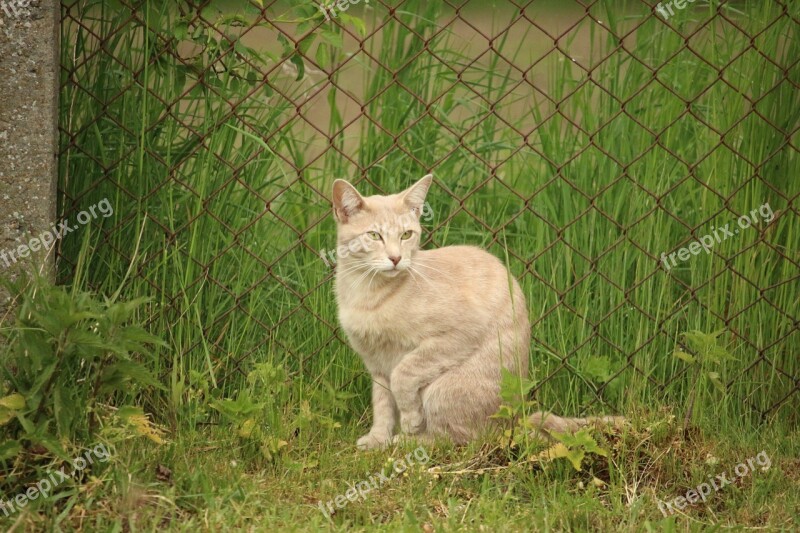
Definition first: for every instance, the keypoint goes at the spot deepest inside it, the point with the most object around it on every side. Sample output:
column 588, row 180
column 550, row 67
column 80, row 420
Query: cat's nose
column 394, row 259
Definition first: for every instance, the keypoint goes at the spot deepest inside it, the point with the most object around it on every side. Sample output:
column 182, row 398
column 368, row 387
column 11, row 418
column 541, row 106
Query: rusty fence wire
column 579, row 139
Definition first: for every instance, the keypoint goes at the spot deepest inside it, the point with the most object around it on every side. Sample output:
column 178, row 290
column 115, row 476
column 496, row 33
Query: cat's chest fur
column 381, row 333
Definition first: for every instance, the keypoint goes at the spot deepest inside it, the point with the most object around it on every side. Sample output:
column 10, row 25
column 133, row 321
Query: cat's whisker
column 424, row 264
column 445, row 274
column 355, row 266
column 434, row 260
column 355, row 283
column 360, row 280
column 369, row 286
column 352, row 270
column 356, row 261
column 423, row 276
column 411, row 271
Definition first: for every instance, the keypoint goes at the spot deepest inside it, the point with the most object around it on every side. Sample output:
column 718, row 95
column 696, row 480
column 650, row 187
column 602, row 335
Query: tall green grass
column 584, row 169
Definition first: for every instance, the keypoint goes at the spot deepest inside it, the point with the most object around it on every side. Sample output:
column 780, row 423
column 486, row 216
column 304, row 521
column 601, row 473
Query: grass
column 219, row 186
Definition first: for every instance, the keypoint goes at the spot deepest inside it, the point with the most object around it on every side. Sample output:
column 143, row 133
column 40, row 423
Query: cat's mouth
column 392, row 272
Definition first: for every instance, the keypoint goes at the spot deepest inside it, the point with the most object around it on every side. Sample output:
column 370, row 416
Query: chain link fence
column 580, row 140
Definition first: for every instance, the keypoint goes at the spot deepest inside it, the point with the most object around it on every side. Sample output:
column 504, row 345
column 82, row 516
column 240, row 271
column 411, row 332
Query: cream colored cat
column 434, row 327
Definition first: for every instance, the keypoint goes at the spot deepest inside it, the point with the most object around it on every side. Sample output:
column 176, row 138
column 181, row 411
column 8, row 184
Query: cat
column 433, row 327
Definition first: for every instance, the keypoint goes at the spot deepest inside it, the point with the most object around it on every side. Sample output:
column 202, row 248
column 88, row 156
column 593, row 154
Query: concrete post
column 29, row 74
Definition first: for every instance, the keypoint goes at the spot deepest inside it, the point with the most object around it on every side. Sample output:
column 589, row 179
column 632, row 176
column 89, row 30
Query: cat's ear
column 414, row 196
column 346, row 201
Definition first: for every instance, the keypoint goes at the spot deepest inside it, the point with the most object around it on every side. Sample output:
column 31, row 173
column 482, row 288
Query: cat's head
column 379, row 233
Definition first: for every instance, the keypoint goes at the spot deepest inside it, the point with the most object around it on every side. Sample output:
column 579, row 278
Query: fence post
column 29, row 74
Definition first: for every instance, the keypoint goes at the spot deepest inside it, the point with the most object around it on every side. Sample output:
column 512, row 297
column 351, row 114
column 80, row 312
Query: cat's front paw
column 372, row 440
column 412, row 422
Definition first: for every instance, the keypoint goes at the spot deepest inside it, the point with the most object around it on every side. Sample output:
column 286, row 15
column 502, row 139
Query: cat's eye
column 374, row 235
column 406, row 235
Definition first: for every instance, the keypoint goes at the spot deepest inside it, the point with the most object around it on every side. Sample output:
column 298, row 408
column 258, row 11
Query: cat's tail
column 543, row 423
